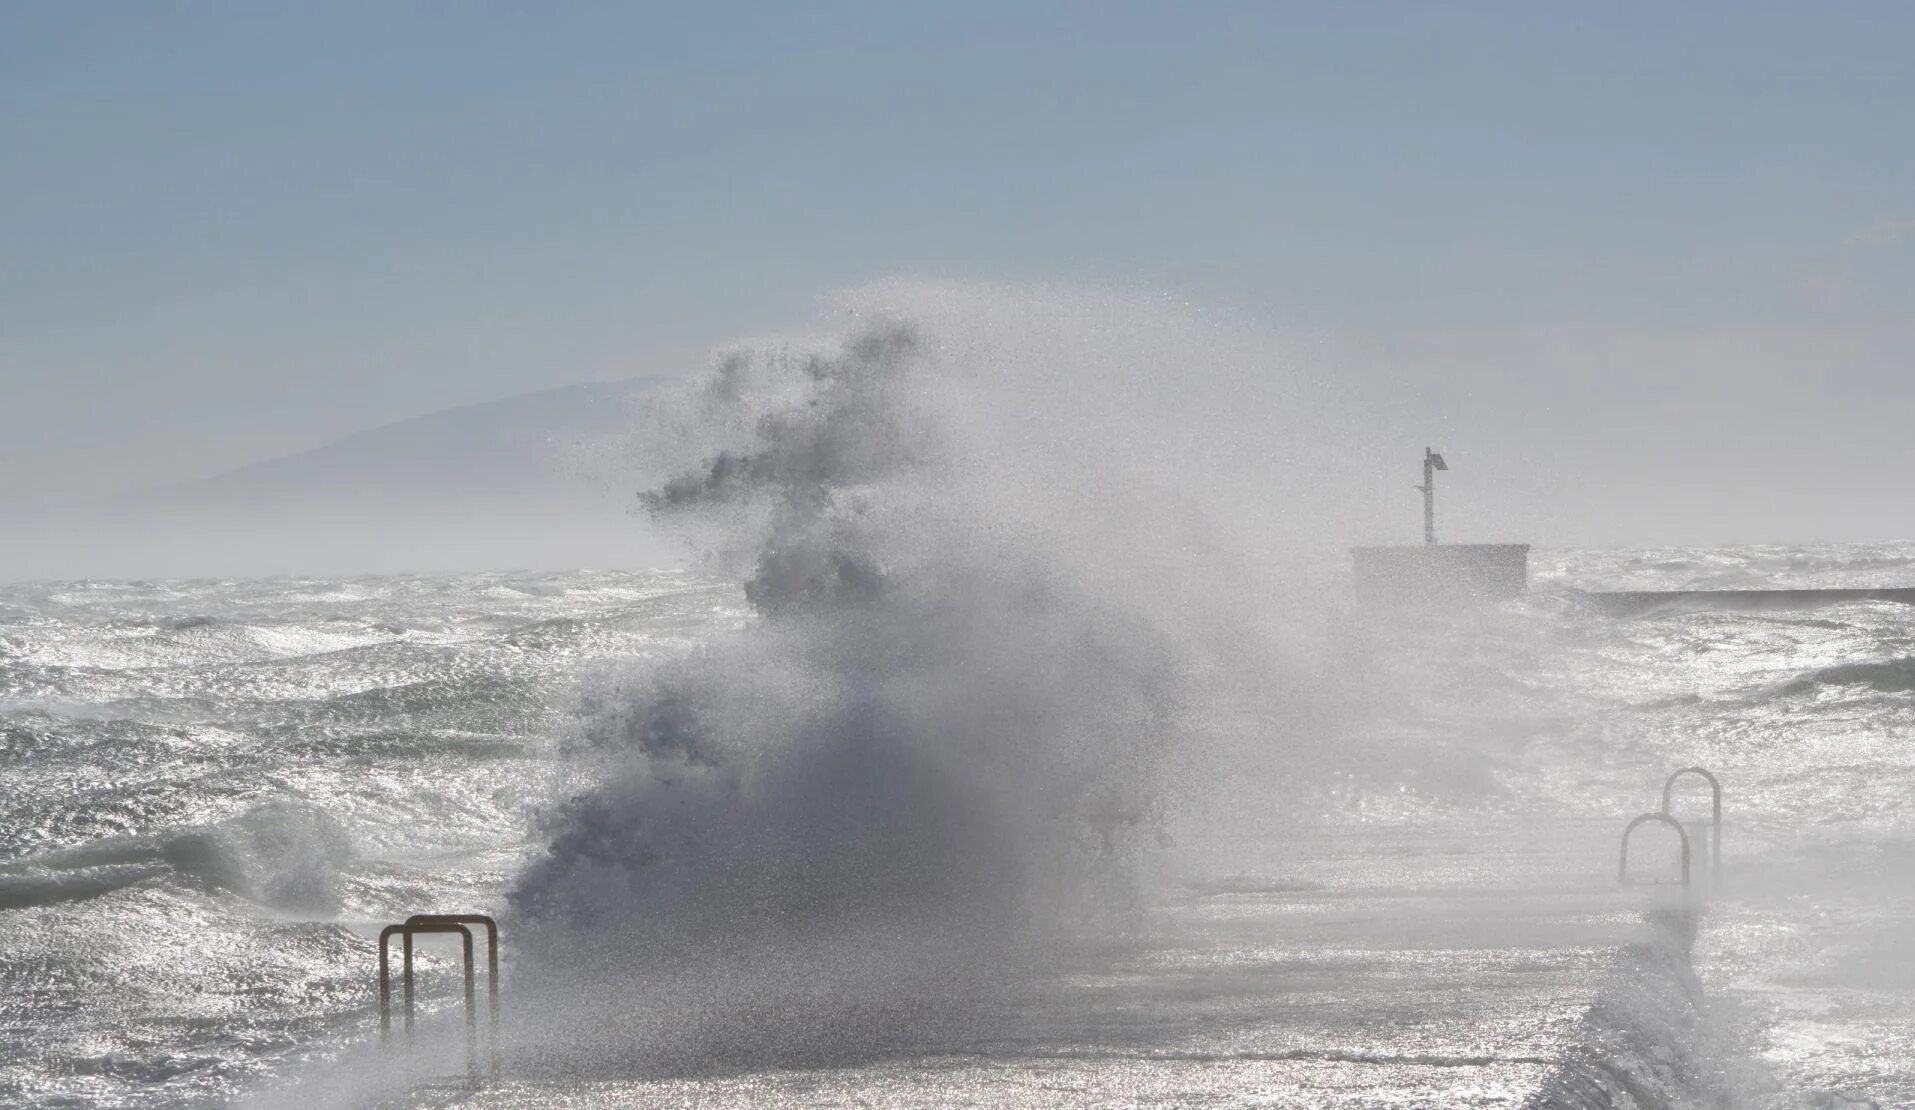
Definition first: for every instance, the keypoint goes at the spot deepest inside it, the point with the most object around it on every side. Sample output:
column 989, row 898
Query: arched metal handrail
column 1622, row 869
column 444, row 923
column 491, row 928
column 407, row 931
column 1715, row 811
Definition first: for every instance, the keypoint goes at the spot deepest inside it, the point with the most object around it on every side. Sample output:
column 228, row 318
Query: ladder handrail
column 406, row 932
column 1622, row 870
column 491, row 950
column 1715, row 809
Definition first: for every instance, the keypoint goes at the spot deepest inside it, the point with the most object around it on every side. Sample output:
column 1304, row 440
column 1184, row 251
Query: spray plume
column 991, row 612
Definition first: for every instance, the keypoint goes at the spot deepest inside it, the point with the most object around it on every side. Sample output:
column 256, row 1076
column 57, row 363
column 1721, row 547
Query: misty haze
column 754, row 555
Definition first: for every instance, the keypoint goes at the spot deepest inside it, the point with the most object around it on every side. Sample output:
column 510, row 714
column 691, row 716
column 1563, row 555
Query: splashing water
column 950, row 731
column 1014, row 754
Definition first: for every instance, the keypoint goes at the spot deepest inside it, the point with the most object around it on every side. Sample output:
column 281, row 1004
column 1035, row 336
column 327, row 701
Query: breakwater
column 1631, row 603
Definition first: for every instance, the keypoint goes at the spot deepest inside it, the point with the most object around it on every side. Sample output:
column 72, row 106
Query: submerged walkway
column 1403, row 967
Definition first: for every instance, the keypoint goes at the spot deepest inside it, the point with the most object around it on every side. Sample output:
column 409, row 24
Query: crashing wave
column 284, row 855
column 947, row 734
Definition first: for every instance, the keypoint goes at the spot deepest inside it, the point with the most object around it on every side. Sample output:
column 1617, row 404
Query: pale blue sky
column 232, row 230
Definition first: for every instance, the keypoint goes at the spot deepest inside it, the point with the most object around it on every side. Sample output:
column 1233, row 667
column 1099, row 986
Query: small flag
column 1436, row 461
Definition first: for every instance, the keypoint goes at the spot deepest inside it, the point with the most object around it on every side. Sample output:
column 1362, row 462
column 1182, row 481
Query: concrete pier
column 1442, row 572
column 1428, row 965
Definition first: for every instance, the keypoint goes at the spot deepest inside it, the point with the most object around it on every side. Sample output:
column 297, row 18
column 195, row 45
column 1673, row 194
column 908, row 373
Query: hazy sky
column 1645, row 271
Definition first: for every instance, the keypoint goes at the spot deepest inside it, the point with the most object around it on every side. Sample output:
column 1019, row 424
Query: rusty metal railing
column 434, row 923
column 1622, row 869
column 1715, row 810
column 491, row 928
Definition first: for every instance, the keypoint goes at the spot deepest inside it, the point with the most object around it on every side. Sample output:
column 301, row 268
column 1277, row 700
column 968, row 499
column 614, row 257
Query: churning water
column 1000, row 750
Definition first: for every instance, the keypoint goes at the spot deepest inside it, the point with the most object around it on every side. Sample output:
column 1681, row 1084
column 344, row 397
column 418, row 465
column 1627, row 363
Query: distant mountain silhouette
column 494, row 452
column 534, row 480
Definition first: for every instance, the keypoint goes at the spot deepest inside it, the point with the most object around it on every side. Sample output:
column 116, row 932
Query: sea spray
column 947, row 737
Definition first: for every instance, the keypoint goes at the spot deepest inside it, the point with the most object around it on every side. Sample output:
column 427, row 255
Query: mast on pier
column 1432, row 462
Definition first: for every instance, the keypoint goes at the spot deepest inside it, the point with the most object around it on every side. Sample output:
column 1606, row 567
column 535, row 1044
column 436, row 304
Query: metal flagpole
column 1432, row 462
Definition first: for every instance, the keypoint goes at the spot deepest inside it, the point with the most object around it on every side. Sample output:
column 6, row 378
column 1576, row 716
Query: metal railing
column 1622, row 869
column 435, row 923
column 1715, row 810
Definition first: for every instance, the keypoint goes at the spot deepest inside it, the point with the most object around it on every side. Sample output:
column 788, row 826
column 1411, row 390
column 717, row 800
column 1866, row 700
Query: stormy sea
column 959, row 768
